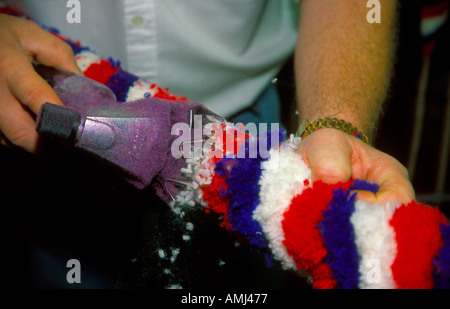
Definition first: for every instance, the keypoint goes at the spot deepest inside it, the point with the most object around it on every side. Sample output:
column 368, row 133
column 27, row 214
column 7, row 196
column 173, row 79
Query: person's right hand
column 22, row 90
column 335, row 156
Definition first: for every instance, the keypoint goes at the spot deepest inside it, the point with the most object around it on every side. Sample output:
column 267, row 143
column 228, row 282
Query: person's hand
column 335, row 156
column 22, row 90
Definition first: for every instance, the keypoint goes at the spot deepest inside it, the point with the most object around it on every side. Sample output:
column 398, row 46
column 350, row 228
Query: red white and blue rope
column 321, row 228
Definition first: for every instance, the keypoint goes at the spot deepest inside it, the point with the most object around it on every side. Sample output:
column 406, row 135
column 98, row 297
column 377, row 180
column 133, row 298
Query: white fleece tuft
column 377, row 247
column 283, row 176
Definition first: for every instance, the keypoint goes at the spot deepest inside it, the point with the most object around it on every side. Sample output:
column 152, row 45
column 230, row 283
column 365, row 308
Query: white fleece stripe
column 282, row 178
column 377, row 247
column 139, row 89
column 200, row 171
column 85, row 58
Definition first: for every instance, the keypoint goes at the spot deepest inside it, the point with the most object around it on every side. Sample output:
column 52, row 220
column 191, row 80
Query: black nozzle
column 58, row 122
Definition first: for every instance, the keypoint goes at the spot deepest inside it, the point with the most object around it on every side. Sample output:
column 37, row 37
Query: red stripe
column 101, row 72
column 165, row 95
column 418, row 235
column 215, row 193
column 214, row 196
column 303, row 239
column 13, row 12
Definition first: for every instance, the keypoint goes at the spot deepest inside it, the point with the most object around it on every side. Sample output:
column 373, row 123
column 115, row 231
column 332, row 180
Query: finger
column 47, row 48
column 392, row 195
column 17, row 125
column 27, row 86
column 25, row 137
column 397, row 190
column 329, row 155
column 392, row 178
column 3, row 140
column 17, row 128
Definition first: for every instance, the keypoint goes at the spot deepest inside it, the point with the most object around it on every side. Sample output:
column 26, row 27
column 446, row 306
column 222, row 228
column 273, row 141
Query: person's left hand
column 335, row 156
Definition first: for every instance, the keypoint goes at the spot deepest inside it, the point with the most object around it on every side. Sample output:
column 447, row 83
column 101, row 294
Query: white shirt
column 222, row 53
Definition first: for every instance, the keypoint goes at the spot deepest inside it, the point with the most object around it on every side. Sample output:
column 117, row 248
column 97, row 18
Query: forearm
column 343, row 64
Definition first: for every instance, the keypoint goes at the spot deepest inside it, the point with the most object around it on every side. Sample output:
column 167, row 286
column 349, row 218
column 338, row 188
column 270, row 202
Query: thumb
column 328, row 153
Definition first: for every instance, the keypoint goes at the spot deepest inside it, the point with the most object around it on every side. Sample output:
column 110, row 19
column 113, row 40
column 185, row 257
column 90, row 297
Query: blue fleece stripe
column 337, row 232
column 441, row 263
column 359, row 184
column 243, row 190
column 120, row 84
column 339, row 237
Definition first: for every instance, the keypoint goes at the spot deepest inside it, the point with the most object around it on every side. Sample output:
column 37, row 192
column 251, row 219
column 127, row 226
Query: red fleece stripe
column 213, row 195
column 166, row 95
column 101, row 72
column 418, row 235
column 303, row 239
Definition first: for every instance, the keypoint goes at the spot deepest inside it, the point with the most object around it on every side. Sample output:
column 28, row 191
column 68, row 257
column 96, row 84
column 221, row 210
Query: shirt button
column 137, row 21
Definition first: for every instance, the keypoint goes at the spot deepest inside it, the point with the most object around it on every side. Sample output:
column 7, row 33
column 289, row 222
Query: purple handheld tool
column 135, row 136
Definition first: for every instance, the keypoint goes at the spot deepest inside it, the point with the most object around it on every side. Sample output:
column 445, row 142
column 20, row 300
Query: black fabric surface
column 72, row 207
